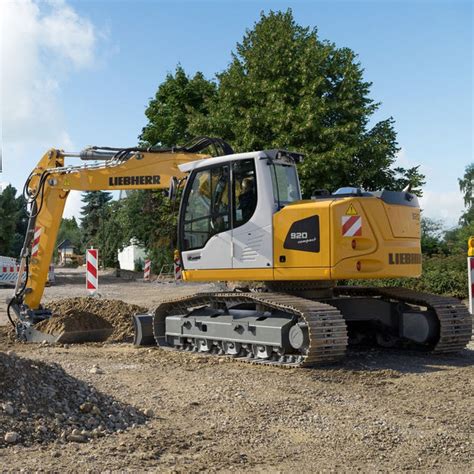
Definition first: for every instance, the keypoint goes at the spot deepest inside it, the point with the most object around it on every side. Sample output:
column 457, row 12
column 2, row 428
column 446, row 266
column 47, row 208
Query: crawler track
column 454, row 318
column 326, row 326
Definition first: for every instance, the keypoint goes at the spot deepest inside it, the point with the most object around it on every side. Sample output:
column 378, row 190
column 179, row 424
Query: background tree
column 93, row 215
column 9, row 220
column 110, row 235
column 150, row 219
column 432, row 237
column 466, row 185
column 168, row 113
column 286, row 88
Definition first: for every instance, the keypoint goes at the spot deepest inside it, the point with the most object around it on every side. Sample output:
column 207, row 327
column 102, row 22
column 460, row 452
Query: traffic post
column 178, row 275
column 92, row 271
column 470, row 272
column 147, row 270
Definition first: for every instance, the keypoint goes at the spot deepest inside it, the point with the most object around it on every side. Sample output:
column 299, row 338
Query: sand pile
column 75, row 314
column 41, row 403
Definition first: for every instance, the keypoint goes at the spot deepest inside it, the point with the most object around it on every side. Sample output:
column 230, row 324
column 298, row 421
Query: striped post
column 470, row 273
column 36, row 241
column 178, row 275
column 147, row 270
column 92, row 273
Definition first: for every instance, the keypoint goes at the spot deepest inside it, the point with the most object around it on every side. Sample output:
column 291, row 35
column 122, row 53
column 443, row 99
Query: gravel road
column 379, row 410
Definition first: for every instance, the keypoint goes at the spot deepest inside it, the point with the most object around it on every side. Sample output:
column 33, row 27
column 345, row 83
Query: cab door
column 205, row 220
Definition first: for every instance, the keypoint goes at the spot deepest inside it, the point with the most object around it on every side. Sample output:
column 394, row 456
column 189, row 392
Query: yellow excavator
column 242, row 218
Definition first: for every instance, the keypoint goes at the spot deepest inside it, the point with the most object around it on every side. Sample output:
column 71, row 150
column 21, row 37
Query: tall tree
column 9, row 214
column 466, row 185
column 149, row 218
column 286, row 88
column 93, row 215
column 168, row 112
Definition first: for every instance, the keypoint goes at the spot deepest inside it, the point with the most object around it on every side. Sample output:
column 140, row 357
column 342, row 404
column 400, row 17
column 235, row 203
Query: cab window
column 285, row 184
column 207, row 210
column 244, row 191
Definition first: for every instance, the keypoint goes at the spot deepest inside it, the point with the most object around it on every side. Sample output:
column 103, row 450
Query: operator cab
column 228, row 205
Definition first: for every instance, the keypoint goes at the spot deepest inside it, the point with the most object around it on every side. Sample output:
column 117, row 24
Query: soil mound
column 92, row 313
column 41, row 403
column 73, row 320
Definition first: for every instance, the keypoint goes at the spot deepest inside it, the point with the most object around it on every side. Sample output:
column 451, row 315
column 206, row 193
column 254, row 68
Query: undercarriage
column 305, row 325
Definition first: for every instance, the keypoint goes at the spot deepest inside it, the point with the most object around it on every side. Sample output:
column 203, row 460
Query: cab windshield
column 286, row 188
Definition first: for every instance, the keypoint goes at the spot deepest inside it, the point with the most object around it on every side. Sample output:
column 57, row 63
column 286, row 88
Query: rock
column 11, row 437
column 86, row 407
column 76, row 438
column 148, row 412
column 8, row 408
column 96, row 370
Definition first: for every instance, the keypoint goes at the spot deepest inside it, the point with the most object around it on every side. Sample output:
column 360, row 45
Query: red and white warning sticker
column 351, row 226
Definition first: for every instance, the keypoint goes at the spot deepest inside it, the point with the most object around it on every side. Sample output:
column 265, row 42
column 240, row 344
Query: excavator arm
column 49, row 185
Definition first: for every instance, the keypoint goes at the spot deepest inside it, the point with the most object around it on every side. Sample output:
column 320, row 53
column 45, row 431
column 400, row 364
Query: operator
column 247, row 198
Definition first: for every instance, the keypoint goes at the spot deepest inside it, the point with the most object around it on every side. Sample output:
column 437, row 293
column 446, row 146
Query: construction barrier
column 92, row 270
column 470, row 273
column 147, row 270
column 8, row 270
column 178, row 275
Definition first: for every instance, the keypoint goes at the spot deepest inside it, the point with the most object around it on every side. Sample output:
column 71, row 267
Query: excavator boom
column 48, row 187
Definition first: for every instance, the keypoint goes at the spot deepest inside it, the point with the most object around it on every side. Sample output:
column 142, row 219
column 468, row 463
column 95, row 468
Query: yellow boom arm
column 50, row 183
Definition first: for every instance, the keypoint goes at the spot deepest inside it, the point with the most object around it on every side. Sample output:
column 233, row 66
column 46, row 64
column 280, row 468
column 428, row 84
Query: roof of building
column 65, row 244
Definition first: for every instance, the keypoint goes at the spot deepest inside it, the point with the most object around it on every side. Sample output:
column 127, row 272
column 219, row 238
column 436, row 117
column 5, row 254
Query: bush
column 442, row 275
column 139, row 264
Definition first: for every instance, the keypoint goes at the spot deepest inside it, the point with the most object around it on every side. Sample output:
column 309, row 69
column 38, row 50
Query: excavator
column 242, row 219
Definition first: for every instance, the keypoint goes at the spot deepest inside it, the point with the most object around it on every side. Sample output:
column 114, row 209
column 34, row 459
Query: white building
column 131, row 255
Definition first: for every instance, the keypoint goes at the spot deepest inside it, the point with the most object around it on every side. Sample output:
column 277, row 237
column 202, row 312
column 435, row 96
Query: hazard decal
column 351, row 211
column 351, row 226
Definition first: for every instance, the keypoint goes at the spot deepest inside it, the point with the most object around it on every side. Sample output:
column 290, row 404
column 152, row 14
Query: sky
column 77, row 72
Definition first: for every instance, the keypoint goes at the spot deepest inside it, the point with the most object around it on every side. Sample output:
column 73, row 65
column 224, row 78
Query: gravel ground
column 377, row 411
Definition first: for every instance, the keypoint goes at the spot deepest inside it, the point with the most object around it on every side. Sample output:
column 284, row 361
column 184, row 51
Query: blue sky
column 92, row 80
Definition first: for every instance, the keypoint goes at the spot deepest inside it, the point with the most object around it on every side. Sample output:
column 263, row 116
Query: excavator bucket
column 30, row 334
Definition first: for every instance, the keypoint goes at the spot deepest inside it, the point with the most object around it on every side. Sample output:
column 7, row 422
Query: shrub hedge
column 442, row 275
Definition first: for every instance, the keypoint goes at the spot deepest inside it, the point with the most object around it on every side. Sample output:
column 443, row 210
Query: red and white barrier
column 147, row 270
column 8, row 270
column 36, row 241
column 470, row 273
column 178, row 274
column 92, row 272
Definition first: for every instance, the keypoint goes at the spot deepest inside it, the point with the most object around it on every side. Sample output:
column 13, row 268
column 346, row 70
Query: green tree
column 110, row 236
column 149, row 218
column 286, row 88
column 432, row 237
column 466, row 185
column 168, row 112
column 9, row 215
column 93, row 215
column 70, row 230
column 21, row 226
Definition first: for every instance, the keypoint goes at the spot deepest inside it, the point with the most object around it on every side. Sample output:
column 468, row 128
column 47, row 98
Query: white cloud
column 443, row 205
column 41, row 42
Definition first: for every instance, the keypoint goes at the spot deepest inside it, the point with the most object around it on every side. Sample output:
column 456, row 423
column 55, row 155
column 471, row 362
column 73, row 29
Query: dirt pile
column 73, row 320
column 77, row 314
column 41, row 403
